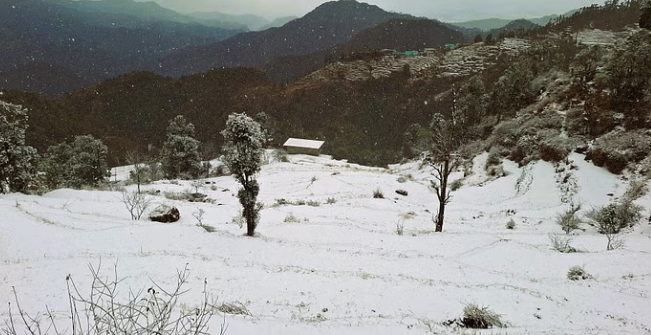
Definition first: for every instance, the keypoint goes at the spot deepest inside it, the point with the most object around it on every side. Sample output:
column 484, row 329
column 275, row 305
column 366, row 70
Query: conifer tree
column 17, row 160
column 180, row 153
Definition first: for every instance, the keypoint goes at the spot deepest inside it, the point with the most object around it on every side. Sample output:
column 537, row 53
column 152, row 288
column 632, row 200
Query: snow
column 346, row 256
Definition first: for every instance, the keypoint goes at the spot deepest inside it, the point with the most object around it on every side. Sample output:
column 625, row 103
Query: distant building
column 451, row 46
column 411, row 53
column 301, row 146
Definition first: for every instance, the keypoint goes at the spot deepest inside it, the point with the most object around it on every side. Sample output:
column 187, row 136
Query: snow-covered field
column 342, row 268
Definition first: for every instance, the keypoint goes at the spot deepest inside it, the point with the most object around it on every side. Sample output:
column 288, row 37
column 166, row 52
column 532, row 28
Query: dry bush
column 400, row 228
column 481, row 318
column 562, row 244
column 377, row 194
column 233, row 308
column 636, row 189
column 102, row 311
column 569, row 220
column 578, row 273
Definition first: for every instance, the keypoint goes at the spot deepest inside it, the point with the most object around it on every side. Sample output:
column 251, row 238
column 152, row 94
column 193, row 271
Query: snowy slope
column 346, row 256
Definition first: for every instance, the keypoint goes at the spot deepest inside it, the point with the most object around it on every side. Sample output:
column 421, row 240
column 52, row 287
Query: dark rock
column 402, row 192
column 165, row 214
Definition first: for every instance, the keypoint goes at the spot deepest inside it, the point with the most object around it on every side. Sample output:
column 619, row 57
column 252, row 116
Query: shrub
column 636, row 189
column 494, row 158
column 578, row 273
column 313, row 203
column 280, row 155
column 480, row 318
column 568, row 220
column 615, row 216
column 239, row 220
column 616, row 149
column 510, row 224
column 234, row 308
column 562, row 244
column 103, row 312
column 456, row 185
column 187, row 196
column 611, row 219
column 331, row 201
column 290, row 218
column 554, row 149
column 377, row 194
column 402, row 179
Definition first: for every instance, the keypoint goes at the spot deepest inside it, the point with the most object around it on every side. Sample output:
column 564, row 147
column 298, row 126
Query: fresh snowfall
column 329, row 259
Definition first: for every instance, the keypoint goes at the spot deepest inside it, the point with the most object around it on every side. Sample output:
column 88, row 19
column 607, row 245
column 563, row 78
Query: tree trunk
column 443, row 196
column 249, row 214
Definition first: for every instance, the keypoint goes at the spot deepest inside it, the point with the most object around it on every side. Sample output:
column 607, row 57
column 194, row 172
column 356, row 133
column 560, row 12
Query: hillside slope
column 398, row 34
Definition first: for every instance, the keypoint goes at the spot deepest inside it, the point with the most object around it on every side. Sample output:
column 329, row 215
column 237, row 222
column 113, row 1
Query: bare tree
column 445, row 160
column 134, row 158
column 136, row 203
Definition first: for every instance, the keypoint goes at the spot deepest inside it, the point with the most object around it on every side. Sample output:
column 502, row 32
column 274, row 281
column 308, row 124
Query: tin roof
column 301, row 143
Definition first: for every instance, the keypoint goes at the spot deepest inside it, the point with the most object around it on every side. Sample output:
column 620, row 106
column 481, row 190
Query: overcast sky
column 444, row 10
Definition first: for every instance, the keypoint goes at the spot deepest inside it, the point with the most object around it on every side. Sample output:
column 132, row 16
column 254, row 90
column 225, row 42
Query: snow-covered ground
column 342, row 268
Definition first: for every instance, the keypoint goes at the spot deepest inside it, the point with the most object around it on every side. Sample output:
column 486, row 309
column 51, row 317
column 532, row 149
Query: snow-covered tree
column 629, row 70
column 243, row 154
column 16, row 159
column 267, row 127
column 89, row 161
column 81, row 163
column 180, row 153
column 55, row 166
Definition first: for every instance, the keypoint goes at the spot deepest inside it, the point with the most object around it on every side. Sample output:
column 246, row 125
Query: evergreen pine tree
column 17, row 160
column 180, row 153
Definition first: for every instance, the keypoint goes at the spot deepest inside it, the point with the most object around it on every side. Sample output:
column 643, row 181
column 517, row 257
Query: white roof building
column 301, row 146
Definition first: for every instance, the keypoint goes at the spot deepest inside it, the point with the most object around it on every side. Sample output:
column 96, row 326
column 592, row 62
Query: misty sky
column 444, row 10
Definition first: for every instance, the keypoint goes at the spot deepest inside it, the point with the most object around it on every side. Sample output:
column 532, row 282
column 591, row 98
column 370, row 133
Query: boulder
column 165, row 213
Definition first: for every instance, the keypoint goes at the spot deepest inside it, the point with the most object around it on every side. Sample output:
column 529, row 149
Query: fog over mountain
column 445, row 10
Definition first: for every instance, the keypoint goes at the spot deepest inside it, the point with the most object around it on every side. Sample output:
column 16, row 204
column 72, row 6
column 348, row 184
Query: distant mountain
column 251, row 22
column 330, row 24
column 496, row 23
column 149, row 11
column 279, row 22
column 51, row 47
column 485, row 24
column 397, row 34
